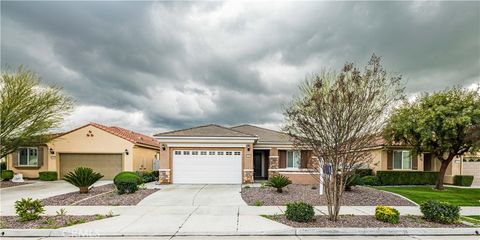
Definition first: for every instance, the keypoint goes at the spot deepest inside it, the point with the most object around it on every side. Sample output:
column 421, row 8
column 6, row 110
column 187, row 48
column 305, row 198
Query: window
column 402, row 160
column 211, row 153
column 228, row 153
column 203, row 153
column 178, row 152
column 293, row 159
column 28, row 157
column 219, row 153
column 186, row 153
column 237, row 153
column 194, row 152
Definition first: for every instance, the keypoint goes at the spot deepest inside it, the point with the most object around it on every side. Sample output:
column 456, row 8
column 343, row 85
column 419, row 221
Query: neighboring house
column 106, row 149
column 241, row 154
column 401, row 158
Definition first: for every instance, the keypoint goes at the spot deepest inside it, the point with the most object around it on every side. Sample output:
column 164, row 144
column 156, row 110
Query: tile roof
column 131, row 136
column 264, row 134
column 211, row 130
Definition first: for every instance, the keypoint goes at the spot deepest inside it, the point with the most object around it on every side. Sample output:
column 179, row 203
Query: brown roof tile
column 263, row 134
column 211, row 130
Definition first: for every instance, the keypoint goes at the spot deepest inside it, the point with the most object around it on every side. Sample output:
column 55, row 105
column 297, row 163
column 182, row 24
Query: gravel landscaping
column 105, row 195
column 359, row 196
column 7, row 184
column 51, row 222
column 363, row 222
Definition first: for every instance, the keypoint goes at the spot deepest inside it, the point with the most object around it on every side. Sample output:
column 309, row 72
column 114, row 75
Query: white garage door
column 472, row 167
column 207, row 166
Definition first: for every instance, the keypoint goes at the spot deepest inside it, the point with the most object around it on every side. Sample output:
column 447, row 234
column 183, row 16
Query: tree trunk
column 83, row 189
column 279, row 190
column 441, row 173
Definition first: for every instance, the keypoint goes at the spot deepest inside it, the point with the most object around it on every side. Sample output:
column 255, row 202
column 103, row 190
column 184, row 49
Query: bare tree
column 338, row 116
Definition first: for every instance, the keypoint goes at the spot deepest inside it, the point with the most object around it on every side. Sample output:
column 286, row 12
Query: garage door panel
column 107, row 164
column 472, row 168
column 212, row 169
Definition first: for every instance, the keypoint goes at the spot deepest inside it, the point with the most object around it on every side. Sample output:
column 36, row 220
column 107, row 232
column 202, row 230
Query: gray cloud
column 153, row 66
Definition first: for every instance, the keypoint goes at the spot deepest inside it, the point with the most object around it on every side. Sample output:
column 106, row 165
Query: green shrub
column 146, row 176
column 278, row 182
column 83, row 178
column 127, row 182
column 48, row 176
column 258, row 203
column 440, row 212
column 7, row 175
column 299, row 212
column 463, row 180
column 28, row 209
column 371, row 181
column 156, row 174
column 352, row 181
column 387, row 214
column 364, row 172
column 407, row 177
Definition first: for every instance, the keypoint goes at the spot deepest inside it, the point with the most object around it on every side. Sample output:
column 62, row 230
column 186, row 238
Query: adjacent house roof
column 211, row 130
column 264, row 134
column 131, row 136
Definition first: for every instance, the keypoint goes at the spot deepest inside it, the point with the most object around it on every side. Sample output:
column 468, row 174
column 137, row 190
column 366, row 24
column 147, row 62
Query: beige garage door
column 472, row 168
column 106, row 164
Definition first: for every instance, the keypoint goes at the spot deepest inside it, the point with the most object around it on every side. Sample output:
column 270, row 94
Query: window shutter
column 414, row 162
column 40, row 156
column 304, row 159
column 15, row 158
column 389, row 159
column 282, row 161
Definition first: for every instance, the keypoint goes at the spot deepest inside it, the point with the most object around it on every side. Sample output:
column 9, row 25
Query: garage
column 106, row 164
column 471, row 166
column 207, row 166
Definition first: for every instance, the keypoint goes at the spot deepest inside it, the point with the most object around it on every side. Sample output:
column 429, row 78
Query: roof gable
column 211, row 130
column 263, row 134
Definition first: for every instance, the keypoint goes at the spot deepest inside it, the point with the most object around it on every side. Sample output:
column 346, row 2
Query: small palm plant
column 278, row 182
column 83, row 178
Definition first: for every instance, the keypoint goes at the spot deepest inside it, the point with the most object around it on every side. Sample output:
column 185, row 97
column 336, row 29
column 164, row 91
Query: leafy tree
column 445, row 124
column 28, row 110
column 338, row 116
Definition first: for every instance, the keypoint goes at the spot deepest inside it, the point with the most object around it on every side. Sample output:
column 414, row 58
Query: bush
column 48, row 176
column 6, row 175
column 371, row 181
column 28, row 209
column 440, row 212
column 127, row 182
column 156, row 174
column 278, row 182
column 258, row 203
column 352, row 181
column 3, row 165
column 364, row 172
column 407, row 177
column 387, row 214
column 299, row 212
column 463, row 180
column 83, row 178
column 146, row 176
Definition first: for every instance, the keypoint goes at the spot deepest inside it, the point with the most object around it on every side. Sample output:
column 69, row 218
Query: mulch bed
column 51, row 222
column 7, row 184
column 105, row 195
column 363, row 222
column 359, row 196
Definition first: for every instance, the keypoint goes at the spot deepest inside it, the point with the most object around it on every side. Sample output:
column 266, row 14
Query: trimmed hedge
column 127, row 182
column 6, row 175
column 48, row 176
column 440, row 212
column 463, row 180
column 407, row 177
column 127, row 176
column 364, row 172
column 370, row 181
column 299, row 212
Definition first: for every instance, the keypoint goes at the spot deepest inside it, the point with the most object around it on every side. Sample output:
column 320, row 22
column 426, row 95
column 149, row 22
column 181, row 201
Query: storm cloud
column 154, row 66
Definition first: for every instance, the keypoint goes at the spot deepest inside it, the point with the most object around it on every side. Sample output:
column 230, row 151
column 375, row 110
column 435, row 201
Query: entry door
column 258, row 165
column 207, row 167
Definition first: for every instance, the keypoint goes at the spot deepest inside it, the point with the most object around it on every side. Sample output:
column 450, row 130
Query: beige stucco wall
column 29, row 172
column 143, row 158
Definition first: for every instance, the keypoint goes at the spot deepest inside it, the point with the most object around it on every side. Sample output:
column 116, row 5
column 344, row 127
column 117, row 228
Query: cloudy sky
column 154, row 66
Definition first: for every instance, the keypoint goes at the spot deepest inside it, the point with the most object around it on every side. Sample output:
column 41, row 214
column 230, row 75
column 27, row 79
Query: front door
column 258, row 165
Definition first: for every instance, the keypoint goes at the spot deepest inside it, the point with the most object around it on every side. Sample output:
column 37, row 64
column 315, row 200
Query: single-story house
column 240, row 154
column 106, row 149
column 400, row 157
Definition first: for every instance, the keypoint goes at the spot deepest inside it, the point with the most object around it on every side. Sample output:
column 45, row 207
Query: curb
column 292, row 232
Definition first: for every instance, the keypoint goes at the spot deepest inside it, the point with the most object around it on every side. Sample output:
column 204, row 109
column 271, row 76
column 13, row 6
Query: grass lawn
column 472, row 219
column 456, row 196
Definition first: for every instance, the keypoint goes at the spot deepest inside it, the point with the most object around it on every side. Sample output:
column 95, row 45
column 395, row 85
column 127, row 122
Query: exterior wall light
column 51, row 151
column 248, row 147
column 164, row 147
column 126, row 151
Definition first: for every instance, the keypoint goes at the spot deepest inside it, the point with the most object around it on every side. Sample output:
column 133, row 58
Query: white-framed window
column 219, row 153
column 28, row 157
column 186, row 152
column 237, row 153
column 211, row 153
column 402, row 159
column 228, row 153
column 178, row 152
column 293, row 159
column 194, row 152
column 203, row 153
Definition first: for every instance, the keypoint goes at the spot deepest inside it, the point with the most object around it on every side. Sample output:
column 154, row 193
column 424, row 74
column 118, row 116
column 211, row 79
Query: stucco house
column 240, row 154
column 107, row 149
